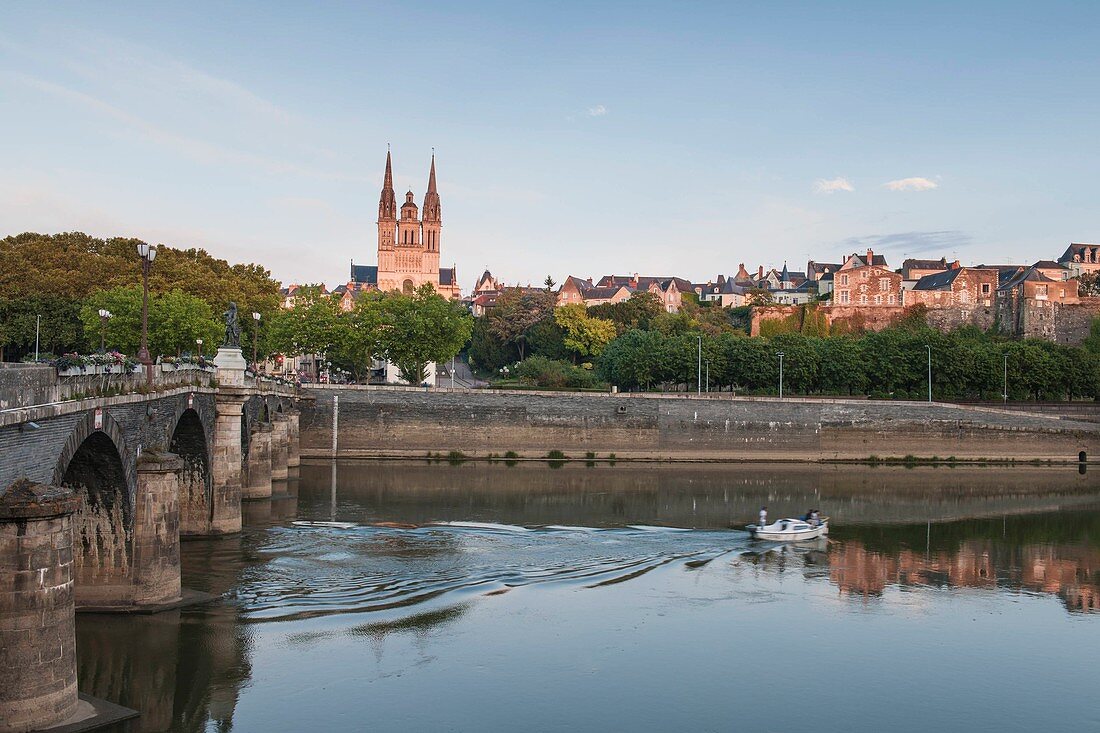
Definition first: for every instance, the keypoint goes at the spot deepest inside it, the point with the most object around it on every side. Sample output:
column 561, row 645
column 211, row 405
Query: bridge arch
column 189, row 441
column 96, row 464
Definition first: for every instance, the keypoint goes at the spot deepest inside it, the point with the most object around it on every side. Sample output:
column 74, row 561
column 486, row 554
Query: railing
column 26, row 385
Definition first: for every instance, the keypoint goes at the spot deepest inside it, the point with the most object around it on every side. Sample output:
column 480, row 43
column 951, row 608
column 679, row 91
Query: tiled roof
column 938, row 280
column 446, row 276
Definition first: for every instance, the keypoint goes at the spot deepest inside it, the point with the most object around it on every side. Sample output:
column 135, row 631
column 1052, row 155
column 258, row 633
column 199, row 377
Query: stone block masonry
column 37, row 623
column 408, row 422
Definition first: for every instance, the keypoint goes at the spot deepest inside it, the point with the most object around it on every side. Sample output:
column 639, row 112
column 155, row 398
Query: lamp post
column 1005, row 393
column 929, row 347
column 104, row 316
column 708, row 375
column 255, row 339
column 148, row 253
column 699, row 374
column 198, row 345
column 780, row 355
column 37, row 331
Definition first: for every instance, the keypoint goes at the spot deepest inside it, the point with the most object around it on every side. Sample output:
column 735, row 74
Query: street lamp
column 929, row 347
column 699, row 375
column 104, row 316
column 1005, row 394
column 198, row 343
column 780, row 355
column 255, row 338
column 148, row 253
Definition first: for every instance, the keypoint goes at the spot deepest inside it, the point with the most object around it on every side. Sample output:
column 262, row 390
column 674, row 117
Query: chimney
column 870, row 256
column 955, row 265
column 760, row 272
column 590, row 280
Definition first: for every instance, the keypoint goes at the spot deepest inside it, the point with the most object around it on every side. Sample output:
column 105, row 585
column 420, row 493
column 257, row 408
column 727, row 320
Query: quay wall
column 411, row 422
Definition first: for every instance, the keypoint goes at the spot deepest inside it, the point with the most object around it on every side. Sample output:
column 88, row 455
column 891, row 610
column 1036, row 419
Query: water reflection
column 1058, row 554
column 389, row 555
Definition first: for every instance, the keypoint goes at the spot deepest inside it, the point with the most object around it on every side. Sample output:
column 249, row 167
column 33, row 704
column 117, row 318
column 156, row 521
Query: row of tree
column 409, row 330
column 51, row 284
column 636, row 345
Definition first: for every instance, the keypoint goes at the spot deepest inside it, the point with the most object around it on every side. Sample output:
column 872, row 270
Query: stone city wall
column 377, row 421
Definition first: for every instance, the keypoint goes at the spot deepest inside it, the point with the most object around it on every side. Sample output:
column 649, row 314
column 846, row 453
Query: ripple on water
column 327, row 568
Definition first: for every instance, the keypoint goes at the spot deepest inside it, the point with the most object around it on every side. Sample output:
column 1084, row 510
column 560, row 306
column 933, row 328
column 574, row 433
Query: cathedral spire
column 431, row 210
column 387, row 202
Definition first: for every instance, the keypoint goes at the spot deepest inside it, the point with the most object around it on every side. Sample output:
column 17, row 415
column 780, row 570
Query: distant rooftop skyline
column 582, row 139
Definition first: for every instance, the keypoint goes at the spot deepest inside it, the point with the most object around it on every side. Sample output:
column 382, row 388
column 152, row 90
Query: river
column 417, row 596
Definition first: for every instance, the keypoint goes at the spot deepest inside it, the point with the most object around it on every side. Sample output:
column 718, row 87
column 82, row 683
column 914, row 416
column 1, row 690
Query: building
column 866, row 280
column 617, row 288
column 408, row 243
column 1081, row 259
column 962, row 287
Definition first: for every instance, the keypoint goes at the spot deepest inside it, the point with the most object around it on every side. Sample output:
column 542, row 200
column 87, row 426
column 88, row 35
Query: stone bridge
column 100, row 477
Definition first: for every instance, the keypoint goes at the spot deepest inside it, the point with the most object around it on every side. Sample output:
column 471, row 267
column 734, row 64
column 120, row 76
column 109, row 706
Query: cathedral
column 408, row 245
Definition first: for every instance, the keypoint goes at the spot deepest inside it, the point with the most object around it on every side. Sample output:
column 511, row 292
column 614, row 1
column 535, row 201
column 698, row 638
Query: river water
column 413, row 596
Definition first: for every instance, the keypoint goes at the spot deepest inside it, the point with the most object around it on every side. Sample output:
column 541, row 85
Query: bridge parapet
column 31, row 385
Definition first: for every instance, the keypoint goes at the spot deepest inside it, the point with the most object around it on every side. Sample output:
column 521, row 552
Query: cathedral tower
column 387, row 221
column 433, row 222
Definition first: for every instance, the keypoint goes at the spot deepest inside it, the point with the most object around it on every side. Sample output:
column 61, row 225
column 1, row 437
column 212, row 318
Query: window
column 878, row 300
column 890, row 299
column 863, row 274
column 863, row 299
column 844, row 297
column 1062, row 294
column 884, row 284
column 985, row 288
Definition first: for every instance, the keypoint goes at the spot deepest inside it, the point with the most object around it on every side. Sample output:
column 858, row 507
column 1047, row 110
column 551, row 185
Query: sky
column 578, row 138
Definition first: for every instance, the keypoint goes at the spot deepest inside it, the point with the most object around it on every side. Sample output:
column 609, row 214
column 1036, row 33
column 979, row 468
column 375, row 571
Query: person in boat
column 814, row 518
column 763, row 521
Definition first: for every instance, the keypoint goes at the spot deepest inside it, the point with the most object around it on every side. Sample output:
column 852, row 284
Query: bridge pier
column 259, row 464
column 156, row 567
column 280, row 446
column 293, row 458
column 37, row 614
column 226, row 462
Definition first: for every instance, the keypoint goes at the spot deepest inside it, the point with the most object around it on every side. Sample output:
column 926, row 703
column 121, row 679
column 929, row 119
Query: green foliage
column 421, row 328
column 546, row 338
column 538, row 371
column 73, row 268
column 892, row 363
column 638, row 311
column 517, row 310
column 488, row 353
column 583, row 335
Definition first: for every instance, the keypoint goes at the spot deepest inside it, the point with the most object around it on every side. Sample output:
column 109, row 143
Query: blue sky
column 571, row 138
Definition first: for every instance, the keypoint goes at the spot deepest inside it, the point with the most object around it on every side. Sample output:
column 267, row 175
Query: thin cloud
column 911, row 243
column 195, row 149
column 598, row 111
column 911, row 184
column 832, row 185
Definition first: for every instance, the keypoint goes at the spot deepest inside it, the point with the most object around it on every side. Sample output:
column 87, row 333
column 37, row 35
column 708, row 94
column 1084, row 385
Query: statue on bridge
column 232, row 328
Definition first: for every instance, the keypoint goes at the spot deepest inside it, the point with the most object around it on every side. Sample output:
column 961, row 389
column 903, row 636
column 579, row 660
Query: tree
column 61, row 328
column 1089, row 283
column 584, row 335
column 637, row 311
column 312, row 326
column 358, row 336
column 759, row 297
column 421, row 328
column 488, row 353
column 549, row 283
column 516, row 311
column 177, row 320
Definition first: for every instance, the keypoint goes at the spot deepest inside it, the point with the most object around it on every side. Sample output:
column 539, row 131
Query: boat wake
column 315, row 569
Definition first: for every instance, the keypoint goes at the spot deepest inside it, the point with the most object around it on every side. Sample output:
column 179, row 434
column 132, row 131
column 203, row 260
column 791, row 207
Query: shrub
column 539, row 371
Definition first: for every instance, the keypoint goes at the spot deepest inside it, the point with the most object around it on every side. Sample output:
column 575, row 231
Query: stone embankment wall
column 377, row 421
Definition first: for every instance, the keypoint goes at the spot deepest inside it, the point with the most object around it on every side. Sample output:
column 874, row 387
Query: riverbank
column 405, row 423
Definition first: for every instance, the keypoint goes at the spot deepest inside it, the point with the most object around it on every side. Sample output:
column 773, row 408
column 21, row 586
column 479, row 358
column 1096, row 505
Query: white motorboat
column 790, row 530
